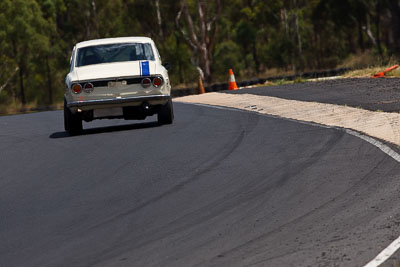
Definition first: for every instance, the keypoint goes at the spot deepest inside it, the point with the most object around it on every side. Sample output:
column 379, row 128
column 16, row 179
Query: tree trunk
column 360, row 37
column 285, row 22
column 299, row 43
column 255, row 57
column 205, row 60
column 9, row 79
column 21, row 84
column 49, row 82
column 180, row 70
column 377, row 26
column 94, row 14
column 206, row 66
column 159, row 20
column 395, row 10
column 284, row 18
column 369, row 32
column 350, row 42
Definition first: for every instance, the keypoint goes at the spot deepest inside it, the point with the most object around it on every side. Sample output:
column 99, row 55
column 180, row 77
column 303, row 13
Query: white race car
column 116, row 78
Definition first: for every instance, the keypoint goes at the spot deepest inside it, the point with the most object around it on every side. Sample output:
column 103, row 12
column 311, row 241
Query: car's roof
column 114, row 40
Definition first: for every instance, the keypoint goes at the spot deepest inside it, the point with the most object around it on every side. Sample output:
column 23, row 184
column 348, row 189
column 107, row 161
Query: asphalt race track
column 216, row 188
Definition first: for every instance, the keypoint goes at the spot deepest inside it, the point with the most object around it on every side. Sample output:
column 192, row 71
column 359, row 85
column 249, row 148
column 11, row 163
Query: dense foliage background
column 208, row 37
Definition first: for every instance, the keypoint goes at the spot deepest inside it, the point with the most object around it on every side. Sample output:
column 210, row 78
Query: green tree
column 23, row 33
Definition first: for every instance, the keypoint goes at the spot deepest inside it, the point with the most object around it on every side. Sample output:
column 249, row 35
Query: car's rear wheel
column 166, row 113
column 72, row 122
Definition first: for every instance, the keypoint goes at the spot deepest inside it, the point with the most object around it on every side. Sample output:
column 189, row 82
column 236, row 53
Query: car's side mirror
column 167, row 66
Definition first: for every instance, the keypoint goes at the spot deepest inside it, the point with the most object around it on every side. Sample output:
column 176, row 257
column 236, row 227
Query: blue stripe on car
column 145, row 68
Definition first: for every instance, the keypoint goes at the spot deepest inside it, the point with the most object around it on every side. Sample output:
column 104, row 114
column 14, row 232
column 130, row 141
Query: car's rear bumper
column 117, row 102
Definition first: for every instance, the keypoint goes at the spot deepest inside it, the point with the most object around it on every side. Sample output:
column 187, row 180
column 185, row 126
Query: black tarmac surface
column 372, row 94
column 216, row 188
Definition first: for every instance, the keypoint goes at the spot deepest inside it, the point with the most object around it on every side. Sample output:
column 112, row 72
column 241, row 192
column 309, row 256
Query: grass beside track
column 370, row 71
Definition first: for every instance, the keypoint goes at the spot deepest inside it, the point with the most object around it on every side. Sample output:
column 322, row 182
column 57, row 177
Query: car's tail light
column 77, row 88
column 146, row 82
column 88, row 87
column 158, row 81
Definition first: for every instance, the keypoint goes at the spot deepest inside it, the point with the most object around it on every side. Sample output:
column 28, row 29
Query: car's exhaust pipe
column 145, row 107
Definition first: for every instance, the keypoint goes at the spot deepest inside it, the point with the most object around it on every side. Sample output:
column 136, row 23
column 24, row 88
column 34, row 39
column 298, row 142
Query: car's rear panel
column 118, row 84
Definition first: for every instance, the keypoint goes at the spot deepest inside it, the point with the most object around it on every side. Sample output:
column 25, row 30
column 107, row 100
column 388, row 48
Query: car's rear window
column 113, row 53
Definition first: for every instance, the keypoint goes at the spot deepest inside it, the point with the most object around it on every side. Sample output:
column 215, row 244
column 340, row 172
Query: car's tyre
column 166, row 113
column 72, row 122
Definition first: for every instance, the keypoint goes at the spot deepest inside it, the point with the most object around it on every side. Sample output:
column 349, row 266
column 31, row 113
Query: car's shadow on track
column 108, row 129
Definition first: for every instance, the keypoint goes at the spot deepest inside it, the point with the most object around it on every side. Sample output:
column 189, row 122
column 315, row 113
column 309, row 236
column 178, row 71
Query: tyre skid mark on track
column 209, row 165
column 297, row 220
column 387, row 252
column 290, row 223
column 218, row 206
column 330, row 144
column 214, row 163
column 294, row 221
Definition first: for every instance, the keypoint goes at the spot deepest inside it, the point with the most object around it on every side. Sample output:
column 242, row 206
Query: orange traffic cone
column 232, row 83
column 382, row 74
column 201, row 87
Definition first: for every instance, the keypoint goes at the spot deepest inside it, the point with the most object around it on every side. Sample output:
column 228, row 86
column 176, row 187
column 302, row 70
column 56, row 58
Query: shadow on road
column 107, row 129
